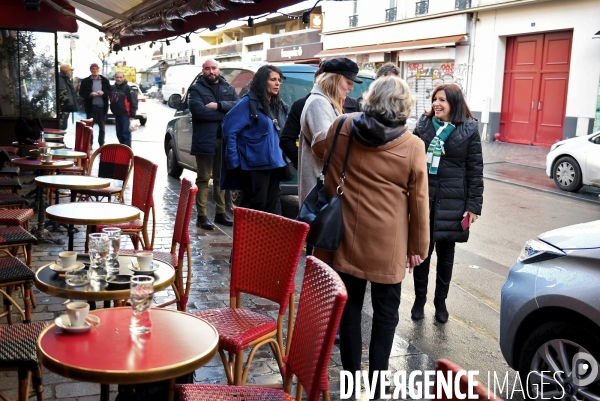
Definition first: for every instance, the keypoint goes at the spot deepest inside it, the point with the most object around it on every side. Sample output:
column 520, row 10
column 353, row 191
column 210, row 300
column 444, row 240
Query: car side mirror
column 175, row 101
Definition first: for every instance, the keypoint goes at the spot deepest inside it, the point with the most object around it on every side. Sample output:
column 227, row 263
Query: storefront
column 295, row 47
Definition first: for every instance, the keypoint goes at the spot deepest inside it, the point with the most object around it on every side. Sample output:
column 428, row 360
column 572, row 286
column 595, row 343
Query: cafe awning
column 14, row 16
column 394, row 46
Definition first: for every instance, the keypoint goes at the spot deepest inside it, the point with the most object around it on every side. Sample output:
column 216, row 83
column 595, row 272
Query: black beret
column 343, row 66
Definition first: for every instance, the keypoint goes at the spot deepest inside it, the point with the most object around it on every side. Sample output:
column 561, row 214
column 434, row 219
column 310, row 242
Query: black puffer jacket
column 207, row 122
column 458, row 184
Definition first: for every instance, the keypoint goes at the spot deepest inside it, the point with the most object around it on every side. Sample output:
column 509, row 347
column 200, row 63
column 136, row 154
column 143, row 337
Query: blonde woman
column 322, row 107
column 386, row 196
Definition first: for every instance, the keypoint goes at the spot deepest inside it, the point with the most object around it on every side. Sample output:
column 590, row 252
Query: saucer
column 64, row 323
column 135, row 268
column 119, row 281
column 73, row 268
column 50, row 162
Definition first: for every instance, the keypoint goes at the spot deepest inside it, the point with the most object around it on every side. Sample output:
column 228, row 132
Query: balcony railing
column 353, row 20
column 390, row 14
column 462, row 4
column 422, row 7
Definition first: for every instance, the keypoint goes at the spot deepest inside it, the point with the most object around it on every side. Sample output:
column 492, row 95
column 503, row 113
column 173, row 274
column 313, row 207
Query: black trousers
column 445, row 260
column 99, row 116
column 385, row 299
column 263, row 194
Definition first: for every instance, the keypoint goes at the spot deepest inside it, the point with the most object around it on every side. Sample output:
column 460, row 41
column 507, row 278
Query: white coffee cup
column 47, row 157
column 77, row 312
column 144, row 260
column 67, row 259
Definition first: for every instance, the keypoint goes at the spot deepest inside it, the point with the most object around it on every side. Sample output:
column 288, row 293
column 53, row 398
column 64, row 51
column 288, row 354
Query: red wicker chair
column 144, row 176
column 83, row 138
column 18, row 352
column 181, row 253
column 320, row 309
column 116, row 163
column 265, row 257
column 482, row 393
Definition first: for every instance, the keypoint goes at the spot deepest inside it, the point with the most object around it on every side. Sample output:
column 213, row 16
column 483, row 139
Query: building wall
column 492, row 29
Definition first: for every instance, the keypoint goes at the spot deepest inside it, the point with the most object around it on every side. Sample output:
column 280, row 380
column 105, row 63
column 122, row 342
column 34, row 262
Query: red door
column 535, row 88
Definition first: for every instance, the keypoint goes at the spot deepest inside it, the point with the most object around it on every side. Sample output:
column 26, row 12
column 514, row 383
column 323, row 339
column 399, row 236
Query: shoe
column 221, row 218
column 441, row 313
column 204, row 222
column 418, row 310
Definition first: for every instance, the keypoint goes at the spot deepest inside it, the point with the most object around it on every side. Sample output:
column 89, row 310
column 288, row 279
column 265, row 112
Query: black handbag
column 324, row 215
column 28, row 130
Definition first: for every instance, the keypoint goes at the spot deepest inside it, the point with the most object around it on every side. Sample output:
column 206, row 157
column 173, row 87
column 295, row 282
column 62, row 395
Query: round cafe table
column 55, row 131
column 51, row 283
column 54, row 138
column 26, row 147
column 40, row 231
column 179, row 343
column 91, row 214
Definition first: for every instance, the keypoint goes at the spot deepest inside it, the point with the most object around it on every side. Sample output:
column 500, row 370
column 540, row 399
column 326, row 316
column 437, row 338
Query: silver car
column 550, row 314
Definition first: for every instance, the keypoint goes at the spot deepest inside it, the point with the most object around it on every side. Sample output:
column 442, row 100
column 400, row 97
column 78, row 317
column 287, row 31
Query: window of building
column 422, row 7
column 255, row 47
column 279, row 28
column 27, row 74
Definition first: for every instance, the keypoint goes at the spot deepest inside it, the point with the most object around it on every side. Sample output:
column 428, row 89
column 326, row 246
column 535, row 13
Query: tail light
column 142, row 99
column 182, row 91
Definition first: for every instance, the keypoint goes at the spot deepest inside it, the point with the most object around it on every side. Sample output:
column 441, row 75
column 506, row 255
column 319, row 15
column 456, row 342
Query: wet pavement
column 515, row 164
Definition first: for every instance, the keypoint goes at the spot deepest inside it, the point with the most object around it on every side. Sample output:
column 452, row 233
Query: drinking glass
column 99, row 246
column 142, row 288
column 112, row 261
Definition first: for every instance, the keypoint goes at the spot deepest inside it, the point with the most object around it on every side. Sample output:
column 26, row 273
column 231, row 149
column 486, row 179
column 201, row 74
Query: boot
column 441, row 313
column 204, row 222
column 418, row 310
column 221, row 218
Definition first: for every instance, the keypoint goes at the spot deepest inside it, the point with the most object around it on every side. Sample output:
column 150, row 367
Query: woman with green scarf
column 455, row 167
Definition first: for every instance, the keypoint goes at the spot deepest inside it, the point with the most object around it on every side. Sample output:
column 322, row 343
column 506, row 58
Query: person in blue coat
column 253, row 161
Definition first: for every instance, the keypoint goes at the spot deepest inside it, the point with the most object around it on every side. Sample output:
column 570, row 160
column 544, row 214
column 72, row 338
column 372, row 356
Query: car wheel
column 552, row 349
column 567, row 174
column 143, row 121
column 173, row 167
column 237, row 197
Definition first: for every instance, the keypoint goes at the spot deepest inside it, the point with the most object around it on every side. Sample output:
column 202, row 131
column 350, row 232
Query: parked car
column 141, row 114
column 550, row 313
column 298, row 83
column 575, row 162
column 177, row 79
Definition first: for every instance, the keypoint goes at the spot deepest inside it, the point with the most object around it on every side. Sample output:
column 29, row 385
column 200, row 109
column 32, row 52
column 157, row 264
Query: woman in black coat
column 455, row 167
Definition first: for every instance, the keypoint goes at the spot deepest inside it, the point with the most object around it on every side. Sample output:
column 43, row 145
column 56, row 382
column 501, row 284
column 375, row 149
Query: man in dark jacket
column 123, row 104
column 209, row 99
column 68, row 96
column 95, row 91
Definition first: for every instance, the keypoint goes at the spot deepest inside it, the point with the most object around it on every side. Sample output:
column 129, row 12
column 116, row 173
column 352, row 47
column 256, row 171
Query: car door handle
column 532, row 104
column 539, row 105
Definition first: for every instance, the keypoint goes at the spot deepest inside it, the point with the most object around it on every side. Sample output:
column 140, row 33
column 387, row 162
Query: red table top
column 179, row 343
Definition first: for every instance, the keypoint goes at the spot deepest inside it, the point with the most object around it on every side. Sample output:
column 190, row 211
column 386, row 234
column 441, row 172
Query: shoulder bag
column 325, row 215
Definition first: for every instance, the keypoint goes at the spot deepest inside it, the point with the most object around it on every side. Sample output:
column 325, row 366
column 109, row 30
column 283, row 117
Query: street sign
column 71, row 36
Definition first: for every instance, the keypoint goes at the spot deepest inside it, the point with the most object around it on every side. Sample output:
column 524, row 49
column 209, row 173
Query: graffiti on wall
column 423, row 78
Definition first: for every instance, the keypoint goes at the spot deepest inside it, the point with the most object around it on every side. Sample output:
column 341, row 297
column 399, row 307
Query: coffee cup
column 144, row 260
column 77, row 312
column 47, row 158
column 66, row 259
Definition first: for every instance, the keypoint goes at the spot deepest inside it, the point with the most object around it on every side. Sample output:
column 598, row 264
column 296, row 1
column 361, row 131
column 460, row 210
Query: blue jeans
column 122, row 126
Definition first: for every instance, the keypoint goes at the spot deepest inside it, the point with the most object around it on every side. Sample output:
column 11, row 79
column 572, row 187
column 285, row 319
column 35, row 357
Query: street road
column 511, row 215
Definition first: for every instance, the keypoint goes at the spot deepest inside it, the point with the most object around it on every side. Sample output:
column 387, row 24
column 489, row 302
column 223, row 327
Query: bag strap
column 340, row 187
column 337, row 132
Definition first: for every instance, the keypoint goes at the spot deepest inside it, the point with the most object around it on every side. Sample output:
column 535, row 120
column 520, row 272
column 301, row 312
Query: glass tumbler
column 99, row 246
column 142, row 288
column 112, row 260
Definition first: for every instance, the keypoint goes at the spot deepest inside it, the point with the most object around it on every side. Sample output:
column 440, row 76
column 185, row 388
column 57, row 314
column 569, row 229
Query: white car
column 575, row 162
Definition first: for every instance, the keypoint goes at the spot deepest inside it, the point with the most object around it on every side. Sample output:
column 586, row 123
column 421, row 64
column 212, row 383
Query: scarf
column 436, row 147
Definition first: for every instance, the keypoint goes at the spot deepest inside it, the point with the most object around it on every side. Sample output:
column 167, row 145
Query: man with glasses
column 95, row 91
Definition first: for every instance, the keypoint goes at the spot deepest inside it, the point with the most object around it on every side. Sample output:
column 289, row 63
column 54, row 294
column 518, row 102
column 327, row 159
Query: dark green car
column 298, row 83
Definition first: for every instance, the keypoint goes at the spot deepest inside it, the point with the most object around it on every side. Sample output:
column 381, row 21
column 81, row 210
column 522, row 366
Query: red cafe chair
column 115, row 163
column 180, row 256
column 265, row 256
column 144, row 176
column 322, row 301
column 445, row 366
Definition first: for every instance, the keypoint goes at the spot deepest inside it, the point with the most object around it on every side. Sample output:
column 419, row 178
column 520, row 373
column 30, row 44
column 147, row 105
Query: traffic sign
column 71, row 36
